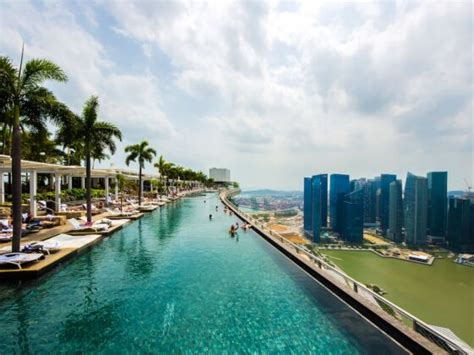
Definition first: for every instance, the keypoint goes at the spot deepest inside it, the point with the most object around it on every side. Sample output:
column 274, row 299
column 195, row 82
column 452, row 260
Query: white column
column 83, row 182
column 33, row 185
column 69, row 182
column 2, row 187
column 116, row 190
column 57, row 191
column 106, row 190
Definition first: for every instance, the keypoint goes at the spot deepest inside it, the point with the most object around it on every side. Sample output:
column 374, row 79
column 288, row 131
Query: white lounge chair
column 78, row 226
column 18, row 259
column 48, row 246
column 5, row 237
column 118, row 213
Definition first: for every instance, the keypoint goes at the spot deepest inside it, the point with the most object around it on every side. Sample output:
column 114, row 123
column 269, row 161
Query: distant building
column 353, row 231
column 219, row 174
column 395, row 212
column 339, row 187
column 437, row 203
column 460, row 231
column 385, row 181
column 352, row 185
column 319, row 192
column 370, row 200
column 416, row 209
column 307, row 205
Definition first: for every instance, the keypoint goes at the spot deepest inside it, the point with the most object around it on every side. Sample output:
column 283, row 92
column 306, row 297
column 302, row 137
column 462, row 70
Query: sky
column 274, row 91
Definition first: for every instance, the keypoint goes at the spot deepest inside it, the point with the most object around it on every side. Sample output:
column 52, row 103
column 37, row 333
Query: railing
column 348, row 282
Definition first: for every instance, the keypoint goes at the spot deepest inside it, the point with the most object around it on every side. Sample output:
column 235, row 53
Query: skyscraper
column 354, row 217
column 370, row 200
column 385, row 181
column 324, row 200
column 437, row 203
column 307, row 205
column 460, row 231
column 319, row 187
column 339, row 188
column 416, row 209
column 395, row 213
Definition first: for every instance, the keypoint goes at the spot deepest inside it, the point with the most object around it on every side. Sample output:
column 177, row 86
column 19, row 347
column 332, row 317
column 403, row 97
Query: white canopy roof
column 75, row 170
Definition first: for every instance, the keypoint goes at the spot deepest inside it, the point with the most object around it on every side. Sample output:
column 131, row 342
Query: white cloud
column 289, row 88
column 131, row 101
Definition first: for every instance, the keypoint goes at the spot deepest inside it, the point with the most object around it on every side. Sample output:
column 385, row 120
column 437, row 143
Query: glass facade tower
column 319, row 187
column 354, row 217
column 339, row 188
column 460, row 232
column 437, row 203
column 395, row 213
column 416, row 209
column 307, row 205
column 370, row 200
column 385, row 181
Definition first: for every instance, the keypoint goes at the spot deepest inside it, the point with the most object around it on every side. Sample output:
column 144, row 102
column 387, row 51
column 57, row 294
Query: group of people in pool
column 234, row 227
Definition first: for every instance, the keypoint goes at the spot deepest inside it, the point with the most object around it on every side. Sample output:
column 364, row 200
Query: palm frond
column 39, row 70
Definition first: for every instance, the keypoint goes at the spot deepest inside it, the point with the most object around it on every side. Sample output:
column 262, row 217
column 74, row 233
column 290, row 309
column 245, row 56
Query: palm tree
column 94, row 137
column 142, row 153
column 18, row 86
column 161, row 166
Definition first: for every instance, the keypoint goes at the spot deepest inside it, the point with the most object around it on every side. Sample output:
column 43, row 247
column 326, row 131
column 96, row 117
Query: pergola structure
column 60, row 172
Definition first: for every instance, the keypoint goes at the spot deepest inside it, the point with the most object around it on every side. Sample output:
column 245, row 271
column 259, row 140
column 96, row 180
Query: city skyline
column 281, row 90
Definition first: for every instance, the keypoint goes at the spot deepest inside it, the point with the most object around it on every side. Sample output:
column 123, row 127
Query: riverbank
column 442, row 295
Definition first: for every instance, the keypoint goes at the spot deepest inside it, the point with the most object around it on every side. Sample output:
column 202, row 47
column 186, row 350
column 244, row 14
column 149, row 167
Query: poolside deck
column 71, row 245
column 132, row 217
column 116, row 225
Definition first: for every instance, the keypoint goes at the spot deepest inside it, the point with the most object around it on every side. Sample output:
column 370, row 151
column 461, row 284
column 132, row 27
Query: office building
column 460, row 226
column 385, row 181
column 319, row 189
column 437, row 203
column 219, row 174
column 395, row 212
column 415, row 209
column 307, row 205
column 339, row 187
column 353, row 229
column 370, row 201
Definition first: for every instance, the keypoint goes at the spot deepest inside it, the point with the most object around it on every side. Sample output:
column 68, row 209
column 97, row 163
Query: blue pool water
column 175, row 282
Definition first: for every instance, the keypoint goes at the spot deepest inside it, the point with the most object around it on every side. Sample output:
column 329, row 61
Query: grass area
column 441, row 294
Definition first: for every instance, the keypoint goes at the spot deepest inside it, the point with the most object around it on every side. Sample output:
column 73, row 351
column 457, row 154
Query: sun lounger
column 5, row 237
column 96, row 227
column 116, row 213
column 47, row 247
column 19, row 259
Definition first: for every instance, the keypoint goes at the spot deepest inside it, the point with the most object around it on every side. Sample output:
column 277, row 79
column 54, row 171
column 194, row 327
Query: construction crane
column 469, row 187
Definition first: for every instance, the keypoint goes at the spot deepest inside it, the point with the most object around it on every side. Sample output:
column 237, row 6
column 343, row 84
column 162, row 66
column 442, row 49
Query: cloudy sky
column 272, row 90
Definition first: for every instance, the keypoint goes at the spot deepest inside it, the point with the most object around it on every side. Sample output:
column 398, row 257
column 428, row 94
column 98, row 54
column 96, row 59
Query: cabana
column 61, row 174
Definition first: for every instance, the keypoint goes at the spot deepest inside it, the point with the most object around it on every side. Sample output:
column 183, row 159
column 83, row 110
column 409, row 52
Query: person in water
column 210, row 217
column 233, row 230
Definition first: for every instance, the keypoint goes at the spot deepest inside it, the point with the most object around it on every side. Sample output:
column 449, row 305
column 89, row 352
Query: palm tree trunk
column 16, row 181
column 88, row 188
column 139, row 185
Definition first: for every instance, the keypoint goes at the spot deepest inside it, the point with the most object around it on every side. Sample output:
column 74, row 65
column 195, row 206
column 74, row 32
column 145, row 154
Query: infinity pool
column 175, row 282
